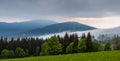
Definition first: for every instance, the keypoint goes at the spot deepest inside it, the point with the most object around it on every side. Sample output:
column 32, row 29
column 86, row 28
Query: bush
column 117, row 44
column 97, row 45
column 11, row 54
column 19, row 52
column 107, row 46
column 5, row 53
column 101, row 48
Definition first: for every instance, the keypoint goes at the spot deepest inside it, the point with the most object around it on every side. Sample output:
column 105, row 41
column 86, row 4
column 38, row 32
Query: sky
column 96, row 13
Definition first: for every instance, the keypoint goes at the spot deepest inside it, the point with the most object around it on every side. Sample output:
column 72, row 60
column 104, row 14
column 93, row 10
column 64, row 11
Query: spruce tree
column 37, row 51
column 75, row 43
column 83, row 36
column 89, row 44
column 65, row 42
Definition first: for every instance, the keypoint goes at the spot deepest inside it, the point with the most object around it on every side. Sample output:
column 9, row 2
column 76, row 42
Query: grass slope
column 95, row 56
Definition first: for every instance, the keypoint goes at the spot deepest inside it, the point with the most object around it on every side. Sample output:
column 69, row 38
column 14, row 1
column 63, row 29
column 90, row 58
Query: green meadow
column 93, row 56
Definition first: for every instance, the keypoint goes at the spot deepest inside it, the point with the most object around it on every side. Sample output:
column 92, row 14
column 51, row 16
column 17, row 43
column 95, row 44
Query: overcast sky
column 97, row 13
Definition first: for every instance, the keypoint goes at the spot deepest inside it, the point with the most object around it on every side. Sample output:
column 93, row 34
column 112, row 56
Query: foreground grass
column 95, row 56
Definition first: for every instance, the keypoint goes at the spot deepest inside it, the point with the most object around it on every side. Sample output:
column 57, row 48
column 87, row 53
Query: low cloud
column 11, row 20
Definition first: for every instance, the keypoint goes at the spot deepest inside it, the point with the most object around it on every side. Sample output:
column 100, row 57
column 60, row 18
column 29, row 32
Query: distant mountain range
column 11, row 28
column 56, row 28
column 48, row 28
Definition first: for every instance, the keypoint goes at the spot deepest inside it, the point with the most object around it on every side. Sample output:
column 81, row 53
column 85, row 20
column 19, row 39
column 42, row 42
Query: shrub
column 19, row 52
column 5, row 53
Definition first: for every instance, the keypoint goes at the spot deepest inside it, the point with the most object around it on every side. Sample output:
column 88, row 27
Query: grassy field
column 95, row 56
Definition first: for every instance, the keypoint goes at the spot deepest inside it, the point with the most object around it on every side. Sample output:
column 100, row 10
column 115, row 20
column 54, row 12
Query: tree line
column 25, row 47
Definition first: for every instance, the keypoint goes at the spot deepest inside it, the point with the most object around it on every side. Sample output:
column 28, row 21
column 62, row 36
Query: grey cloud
column 65, row 8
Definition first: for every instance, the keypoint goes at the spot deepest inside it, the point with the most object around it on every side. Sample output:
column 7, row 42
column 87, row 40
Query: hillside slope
column 10, row 28
column 59, row 27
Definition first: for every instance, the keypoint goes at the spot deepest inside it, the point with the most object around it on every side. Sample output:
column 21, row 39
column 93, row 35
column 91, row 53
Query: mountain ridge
column 59, row 27
column 10, row 28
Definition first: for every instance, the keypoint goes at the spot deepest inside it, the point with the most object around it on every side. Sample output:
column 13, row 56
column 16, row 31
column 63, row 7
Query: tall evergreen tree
column 1, row 43
column 75, row 43
column 71, row 39
column 89, row 44
column 37, row 51
column 65, row 42
column 83, row 36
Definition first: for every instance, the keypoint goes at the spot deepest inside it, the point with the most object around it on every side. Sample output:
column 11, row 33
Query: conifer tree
column 89, row 44
column 75, row 43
